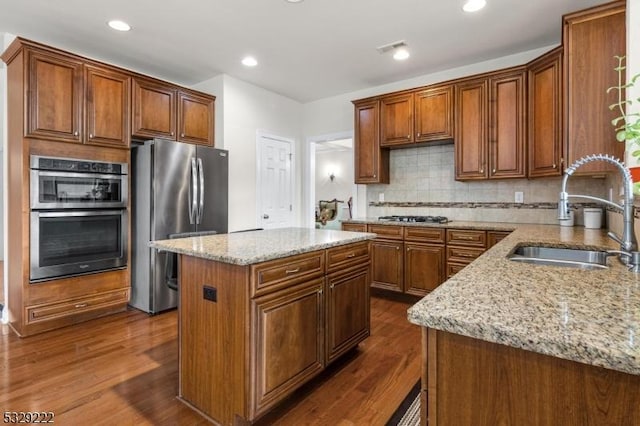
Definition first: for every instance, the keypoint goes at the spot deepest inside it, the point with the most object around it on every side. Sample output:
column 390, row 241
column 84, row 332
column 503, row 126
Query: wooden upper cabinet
column 107, row 107
column 396, row 115
column 544, row 115
column 371, row 162
column 54, row 97
column 154, row 109
column 507, row 125
column 471, row 129
column 591, row 39
column 434, row 114
column 195, row 118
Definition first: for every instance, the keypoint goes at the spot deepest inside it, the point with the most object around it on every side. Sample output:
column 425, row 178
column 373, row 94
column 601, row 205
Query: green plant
column 627, row 125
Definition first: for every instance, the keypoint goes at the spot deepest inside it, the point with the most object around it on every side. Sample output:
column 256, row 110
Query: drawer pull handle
column 291, row 271
column 349, row 256
column 464, row 237
column 467, row 255
column 81, row 305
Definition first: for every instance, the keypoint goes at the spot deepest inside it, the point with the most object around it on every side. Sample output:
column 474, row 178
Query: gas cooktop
column 429, row 219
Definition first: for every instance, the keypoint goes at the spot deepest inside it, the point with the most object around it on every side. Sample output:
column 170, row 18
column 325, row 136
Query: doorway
column 332, row 195
column 275, row 181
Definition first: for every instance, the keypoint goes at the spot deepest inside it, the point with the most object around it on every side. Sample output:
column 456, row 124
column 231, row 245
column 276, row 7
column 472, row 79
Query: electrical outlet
column 381, row 197
column 519, row 197
column 210, row 293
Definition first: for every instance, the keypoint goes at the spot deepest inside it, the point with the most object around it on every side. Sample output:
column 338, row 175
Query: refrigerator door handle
column 201, row 207
column 193, row 193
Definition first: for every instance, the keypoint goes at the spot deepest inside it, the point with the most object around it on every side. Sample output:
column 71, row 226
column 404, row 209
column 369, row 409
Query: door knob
column 265, row 216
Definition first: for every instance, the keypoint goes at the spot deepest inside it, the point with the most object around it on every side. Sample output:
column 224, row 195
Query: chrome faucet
column 628, row 242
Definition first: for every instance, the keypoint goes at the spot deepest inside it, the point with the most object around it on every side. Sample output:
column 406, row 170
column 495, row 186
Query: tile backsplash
column 426, row 175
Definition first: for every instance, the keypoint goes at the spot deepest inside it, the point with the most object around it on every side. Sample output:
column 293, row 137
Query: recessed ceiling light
column 474, row 5
column 249, row 61
column 119, row 25
column 400, row 54
column 294, row 1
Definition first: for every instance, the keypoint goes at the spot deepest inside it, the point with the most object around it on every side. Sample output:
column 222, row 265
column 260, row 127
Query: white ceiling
column 306, row 51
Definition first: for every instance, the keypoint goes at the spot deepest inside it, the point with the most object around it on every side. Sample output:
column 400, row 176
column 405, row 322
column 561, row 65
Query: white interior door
column 275, row 186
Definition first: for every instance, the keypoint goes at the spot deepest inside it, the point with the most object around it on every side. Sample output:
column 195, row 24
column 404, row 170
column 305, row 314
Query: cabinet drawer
column 275, row 274
column 494, row 237
column 454, row 268
column 354, row 227
column 68, row 308
column 466, row 237
column 463, row 254
column 347, row 256
column 387, row 232
column 424, row 235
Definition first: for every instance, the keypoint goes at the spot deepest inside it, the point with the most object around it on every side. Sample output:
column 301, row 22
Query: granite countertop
column 591, row 317
column 457, row 224
column 246, row 248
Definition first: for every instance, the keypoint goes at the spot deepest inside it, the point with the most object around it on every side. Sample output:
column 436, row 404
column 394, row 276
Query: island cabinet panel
column 544, row 115
column 434, row 114
column 288, row 341
column 107, row 107
column 424, row 266
column 281, row 273
column 396, row 120
column 154, row 109
column 474, row 382
column 348, row 314
column 591, row 39
column 55, row 97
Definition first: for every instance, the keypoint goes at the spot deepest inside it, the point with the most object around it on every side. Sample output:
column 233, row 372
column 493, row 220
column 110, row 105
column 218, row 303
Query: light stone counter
column 246, row 248
column 592, row 317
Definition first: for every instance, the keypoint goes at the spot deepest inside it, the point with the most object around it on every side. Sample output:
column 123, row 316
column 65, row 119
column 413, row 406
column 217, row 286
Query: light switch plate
column 381, row 197
column 519, row 197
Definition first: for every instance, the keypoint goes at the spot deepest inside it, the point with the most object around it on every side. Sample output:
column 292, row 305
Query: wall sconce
column 332, row 175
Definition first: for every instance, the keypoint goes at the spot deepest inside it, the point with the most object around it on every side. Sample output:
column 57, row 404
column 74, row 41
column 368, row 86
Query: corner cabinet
column 371, row 161
column 261, row 331
column 544, row 115
column 591, row 39
column 490, row 126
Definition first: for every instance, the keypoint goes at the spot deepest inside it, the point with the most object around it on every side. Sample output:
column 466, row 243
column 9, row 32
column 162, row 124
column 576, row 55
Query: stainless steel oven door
column 65, row 243
column 68, row 190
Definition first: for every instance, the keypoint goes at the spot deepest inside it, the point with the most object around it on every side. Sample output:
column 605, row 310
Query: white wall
column 341, row 187
column 245, row 109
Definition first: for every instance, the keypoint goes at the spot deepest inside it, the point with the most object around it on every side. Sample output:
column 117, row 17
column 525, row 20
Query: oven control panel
column 70, row 165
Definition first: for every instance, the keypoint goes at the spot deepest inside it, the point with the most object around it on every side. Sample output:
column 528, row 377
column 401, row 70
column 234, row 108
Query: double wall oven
column 78, row 217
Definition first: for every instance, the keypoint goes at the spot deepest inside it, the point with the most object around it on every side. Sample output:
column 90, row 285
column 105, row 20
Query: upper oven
column 64, row 183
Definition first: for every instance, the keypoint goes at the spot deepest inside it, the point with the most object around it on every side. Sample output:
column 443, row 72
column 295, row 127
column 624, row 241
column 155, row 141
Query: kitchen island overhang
column 261, row 313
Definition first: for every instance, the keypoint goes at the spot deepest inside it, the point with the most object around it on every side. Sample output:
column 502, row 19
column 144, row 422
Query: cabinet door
column 347, row 311
column 371, row 163
column 288, row 343
column 54, row 97
column 387, row 264
column 494, row 237
column 423, row 268
column 434, row 114
column 507, row 128
column 471, row 130
column 396, row 115
column 154, row 110
column 591, row 39
column 545, row 115
column 195, row 119
column 107, row 107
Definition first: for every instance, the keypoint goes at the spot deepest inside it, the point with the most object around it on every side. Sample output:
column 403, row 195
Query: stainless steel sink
column 571, row 258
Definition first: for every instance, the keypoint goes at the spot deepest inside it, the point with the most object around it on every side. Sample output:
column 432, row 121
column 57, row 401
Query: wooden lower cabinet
column 289, row 341
column 423, row 267
column 467, row 381
column 387, row 265
column 244, row 347
column 348, row 314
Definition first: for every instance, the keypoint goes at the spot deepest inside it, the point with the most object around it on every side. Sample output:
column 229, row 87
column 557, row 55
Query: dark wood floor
column 123, row 370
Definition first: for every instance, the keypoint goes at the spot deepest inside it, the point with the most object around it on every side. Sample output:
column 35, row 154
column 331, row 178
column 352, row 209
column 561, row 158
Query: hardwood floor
column 122, row 369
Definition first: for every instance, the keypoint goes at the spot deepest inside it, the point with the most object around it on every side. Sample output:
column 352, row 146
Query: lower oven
column 69, row 242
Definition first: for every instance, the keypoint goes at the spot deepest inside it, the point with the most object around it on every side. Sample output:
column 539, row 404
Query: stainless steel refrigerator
column 178, row 190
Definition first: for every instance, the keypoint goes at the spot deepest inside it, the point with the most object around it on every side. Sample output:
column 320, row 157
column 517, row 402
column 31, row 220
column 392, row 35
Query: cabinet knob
column 482, row 170
column 397, row 248
column 554, row 165
column 408, row 136
column 374, row 175
column 81, row 305
column 493, row 171
column 172, row 133
column 75, row 133
column 320, row 291
column 90, row 135
column 417, row 135
column 182, row 135
column 331, row 286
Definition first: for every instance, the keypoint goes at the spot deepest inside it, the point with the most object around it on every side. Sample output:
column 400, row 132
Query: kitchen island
column 262, row 312
column 514, row 343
